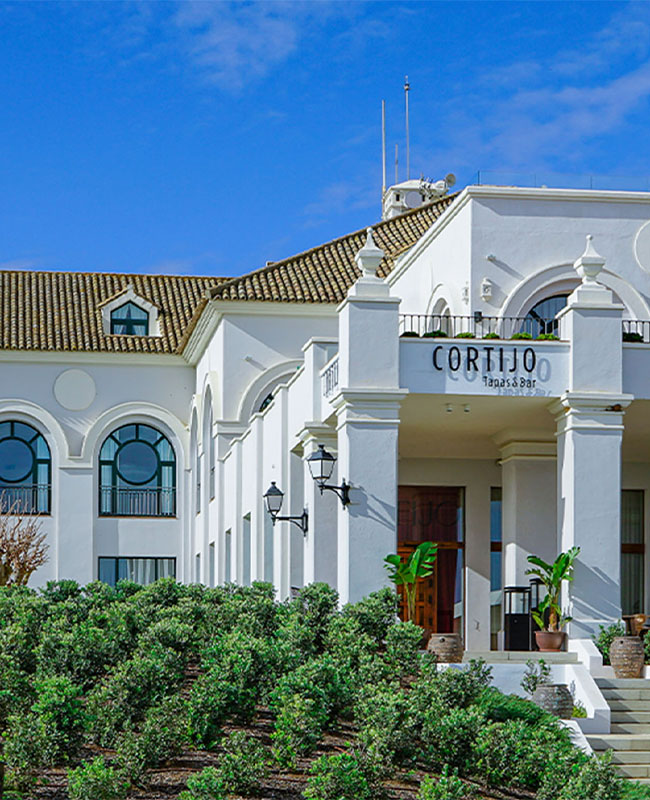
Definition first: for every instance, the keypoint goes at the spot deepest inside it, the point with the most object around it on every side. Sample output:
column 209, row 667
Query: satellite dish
column 413, row 199
column 450, row 179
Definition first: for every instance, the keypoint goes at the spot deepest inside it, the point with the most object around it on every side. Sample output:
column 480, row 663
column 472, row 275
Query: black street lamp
column 273, row 499
column 321, row 465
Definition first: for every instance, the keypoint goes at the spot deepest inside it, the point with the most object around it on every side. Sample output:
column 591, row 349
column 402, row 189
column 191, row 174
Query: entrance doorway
column 435, row 514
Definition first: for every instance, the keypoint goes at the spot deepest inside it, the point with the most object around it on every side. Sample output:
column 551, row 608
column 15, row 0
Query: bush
column 537, row 673
column 435, row 335
column 449, row 688
column 597, row 780
column 376, row 614
column 449, row 737
column 491, row 335
column 205, row 785
column 606, row 636
column 522, row 335
column 298, row 728
column 210, row 701
column 26, row 750
column 58, row 705
column 548, row 337
column 338, row 777
column 387, row 723
column 243, row 764
column 499, row 707
column 95, row 781
column 632, row 337
column 446, row 787
column 320, row 680
column 403, row 643
column 465, row 335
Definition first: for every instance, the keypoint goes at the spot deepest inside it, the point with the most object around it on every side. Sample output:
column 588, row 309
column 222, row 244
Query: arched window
column 25, row 469
column 541, row 317
column 137, row 473
column 130, row 319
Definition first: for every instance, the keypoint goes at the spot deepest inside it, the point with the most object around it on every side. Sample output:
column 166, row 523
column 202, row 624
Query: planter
column 627, row 657
column 549, row 641
column 447, row 646
column 554, row 698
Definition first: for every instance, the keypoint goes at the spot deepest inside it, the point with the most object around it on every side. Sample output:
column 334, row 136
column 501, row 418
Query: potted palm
column 550, row 637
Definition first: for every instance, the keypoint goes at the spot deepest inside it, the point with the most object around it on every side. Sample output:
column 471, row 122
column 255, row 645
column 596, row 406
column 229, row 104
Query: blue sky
column 208, row 138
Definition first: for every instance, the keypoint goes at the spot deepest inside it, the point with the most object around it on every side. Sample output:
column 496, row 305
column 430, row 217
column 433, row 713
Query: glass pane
column 107, row 570
column 25, row 432
column 129, row 311
column 495, row 513
column 432, row 514
column 165, row 450
column 540, row 318
column 166, row 567
column 42, row 450
column 632, row 516
column 137, row 463
column 16, row 461
column 148, row 434
column 632, row 583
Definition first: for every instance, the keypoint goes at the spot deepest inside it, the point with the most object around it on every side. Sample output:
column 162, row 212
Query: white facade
column 544, row 434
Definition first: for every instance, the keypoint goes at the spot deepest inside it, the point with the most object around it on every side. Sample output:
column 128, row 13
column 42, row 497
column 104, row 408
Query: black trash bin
column 516, row 617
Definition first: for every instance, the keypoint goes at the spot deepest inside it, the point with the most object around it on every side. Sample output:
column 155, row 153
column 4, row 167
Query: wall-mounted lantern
column 486, row 289
column 321, row 465
column 273, row 500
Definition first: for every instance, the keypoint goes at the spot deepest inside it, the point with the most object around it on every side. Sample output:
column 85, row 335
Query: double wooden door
column 435, row 514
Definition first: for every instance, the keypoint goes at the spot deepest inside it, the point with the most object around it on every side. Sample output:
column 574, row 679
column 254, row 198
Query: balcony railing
column 117, row 502
column 636, row 330
column 19, row 500
column 476, row 326
column 330, row 377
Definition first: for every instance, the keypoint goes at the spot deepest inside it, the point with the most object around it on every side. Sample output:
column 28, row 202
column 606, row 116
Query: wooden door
column 434, row 514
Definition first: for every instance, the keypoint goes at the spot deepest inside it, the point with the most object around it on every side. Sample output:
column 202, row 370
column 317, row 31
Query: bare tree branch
column 22, row 544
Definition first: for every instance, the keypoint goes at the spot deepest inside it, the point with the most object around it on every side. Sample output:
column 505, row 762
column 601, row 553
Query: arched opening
column 25, row 469
column 540, row 319
column 137, row 469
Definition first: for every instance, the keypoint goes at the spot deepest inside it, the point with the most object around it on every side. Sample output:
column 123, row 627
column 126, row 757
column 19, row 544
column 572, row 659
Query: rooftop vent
column 413, row 193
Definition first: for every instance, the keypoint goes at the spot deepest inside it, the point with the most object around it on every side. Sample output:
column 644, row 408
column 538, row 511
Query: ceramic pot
column 554, row 698
column 549, row 641
column 447, row 646
column 627, row 657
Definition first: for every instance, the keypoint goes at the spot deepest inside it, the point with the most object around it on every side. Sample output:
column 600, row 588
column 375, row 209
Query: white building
column 146, row 416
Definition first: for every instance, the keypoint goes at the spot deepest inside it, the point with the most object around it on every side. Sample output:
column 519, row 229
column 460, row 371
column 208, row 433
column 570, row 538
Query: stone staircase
column 519, row 656
column 629, row 739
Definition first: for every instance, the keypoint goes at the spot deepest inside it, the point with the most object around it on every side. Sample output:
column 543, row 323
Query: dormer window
column 129, row 319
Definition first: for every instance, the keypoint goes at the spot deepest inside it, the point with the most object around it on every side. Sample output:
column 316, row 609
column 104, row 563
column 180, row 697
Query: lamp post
column 321, row 465
column 273, row 500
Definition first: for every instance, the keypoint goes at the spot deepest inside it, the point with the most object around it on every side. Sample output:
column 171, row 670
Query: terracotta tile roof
column 325, row 273
column 61, row 310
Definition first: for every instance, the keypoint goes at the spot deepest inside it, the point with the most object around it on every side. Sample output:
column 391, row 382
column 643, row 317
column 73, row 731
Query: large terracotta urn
column 448, row 647
column 627, row 656
column 554, row 698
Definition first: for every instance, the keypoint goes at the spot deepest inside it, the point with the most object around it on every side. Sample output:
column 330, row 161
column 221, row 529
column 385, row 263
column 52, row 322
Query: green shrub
column 449, row 737
column 209, row 704
column 632, row 337
column 95, row 781
column 163, row 735
column 465, row 335
column 26, row 750
column 412, row 334
column 376, row 614
column 522, row 335
column 499, row 707
column 606, row 636
column 299, row 725
column 320, row 680
column 491, row 335
column 205, row 785
column 338, row 777
column 59, row 706
column 387, row 722
column 537, row 673
column 403, row 643
column 317, row 604
column 548, row 337
column 438, row 334
column 597, row 780
column 446, row 787
column 449, row 688
column 243, row 764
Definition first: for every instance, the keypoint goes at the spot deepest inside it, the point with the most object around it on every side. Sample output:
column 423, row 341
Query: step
column 630, row 717
column 636, row 728
column 634, row 770
column 619, row 741
column 628, row 705
column 631, row 757
column 625, row 694
column 623, row 683
column 519, row 656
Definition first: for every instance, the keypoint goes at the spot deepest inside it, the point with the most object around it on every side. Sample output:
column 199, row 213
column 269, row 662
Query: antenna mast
column 396, row 170
column 407, row 87
column 383, row 148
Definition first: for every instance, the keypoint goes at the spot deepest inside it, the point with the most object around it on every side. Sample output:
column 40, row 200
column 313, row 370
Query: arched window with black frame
column 129, row 319
column 137, row 473
column 541, row 317
column 25, row 469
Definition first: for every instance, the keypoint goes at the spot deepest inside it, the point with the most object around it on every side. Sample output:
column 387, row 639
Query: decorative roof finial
column 590, row 263
column 369, row 257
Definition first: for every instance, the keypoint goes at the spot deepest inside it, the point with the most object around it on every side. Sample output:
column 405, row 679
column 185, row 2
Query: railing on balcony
column 330, row 377
column 25, row 499
column 477, row 326
column 636, row 330
column 129, row 502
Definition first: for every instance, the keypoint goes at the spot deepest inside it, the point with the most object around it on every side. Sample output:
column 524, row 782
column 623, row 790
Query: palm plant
column 551, row 576
column 419, row 564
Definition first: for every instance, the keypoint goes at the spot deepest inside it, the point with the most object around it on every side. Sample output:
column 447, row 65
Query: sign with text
column 513, row 368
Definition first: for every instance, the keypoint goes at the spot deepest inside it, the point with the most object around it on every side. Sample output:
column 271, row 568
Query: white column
column 367, row 408
column 590, row 430
column 529, row 506
column 320, row 544
column 76, row 503
column 477, row 568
